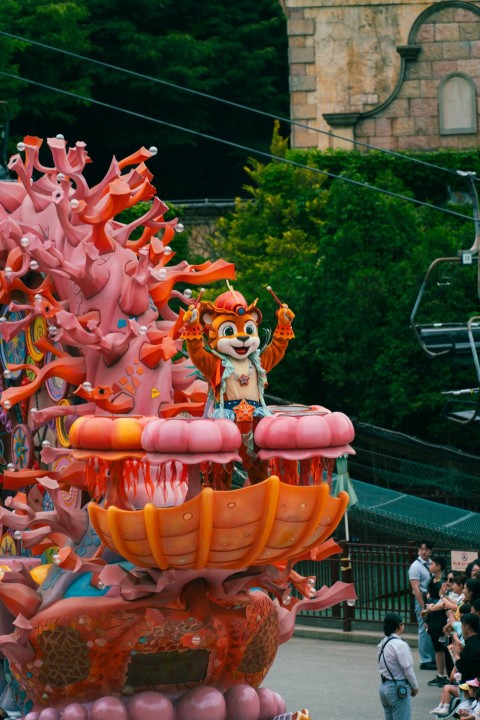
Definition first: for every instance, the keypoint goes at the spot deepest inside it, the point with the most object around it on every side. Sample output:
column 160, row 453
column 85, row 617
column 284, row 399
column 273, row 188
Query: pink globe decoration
column 281, row 707
column 341, row 428
column 202, row 703
column 305, row 432
column 108, row 708
column 205, row 435
column 49, row 714
column 268, row 704
column 75, row 711
column 34, row 715
column 163, row 434
column 150, row 706
column 191, row 435
column 313, row 434
column 281, row 433
column 242, row 702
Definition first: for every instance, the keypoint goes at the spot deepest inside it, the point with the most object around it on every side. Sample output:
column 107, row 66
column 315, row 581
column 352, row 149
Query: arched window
column 457, row 105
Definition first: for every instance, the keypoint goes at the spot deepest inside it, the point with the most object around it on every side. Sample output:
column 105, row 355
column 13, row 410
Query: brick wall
column 302, row 75
column 449, row 42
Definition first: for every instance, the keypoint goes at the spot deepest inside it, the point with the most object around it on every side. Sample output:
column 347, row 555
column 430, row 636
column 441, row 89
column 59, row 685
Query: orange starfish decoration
column 244, row 411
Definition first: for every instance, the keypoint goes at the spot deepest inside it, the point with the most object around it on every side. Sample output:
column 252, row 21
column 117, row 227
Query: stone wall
column 373, row 73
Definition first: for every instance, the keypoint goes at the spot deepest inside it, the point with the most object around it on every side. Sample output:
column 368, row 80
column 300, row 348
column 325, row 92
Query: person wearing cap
column 395, row 665
column 469, row 709
column 467, row 662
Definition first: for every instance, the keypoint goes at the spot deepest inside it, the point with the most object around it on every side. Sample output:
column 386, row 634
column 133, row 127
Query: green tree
column 62, row 24
column 275, row 239
column 234, row 51
column 349, row 261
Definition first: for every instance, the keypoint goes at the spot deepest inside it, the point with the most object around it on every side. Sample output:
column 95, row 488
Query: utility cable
column 239, row 106
column 237, row 146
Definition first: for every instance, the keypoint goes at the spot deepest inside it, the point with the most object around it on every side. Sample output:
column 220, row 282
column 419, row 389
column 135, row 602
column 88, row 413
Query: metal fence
column 380, row 576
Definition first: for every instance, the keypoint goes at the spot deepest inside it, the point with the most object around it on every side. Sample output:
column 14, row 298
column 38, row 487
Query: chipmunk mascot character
column 232, row 363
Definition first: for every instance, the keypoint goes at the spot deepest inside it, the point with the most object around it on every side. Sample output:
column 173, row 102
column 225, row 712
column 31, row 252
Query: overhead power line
column 231, row 103
column 238, row 146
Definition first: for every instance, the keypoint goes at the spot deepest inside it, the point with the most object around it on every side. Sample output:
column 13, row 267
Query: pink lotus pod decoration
column 298, row 437
column 191, row 435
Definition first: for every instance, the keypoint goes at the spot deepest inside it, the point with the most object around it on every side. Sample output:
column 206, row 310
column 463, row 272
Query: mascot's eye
column 227, row 329
column 250, row 329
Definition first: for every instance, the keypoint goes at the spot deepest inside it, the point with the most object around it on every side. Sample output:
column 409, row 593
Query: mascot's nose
column 243, row 338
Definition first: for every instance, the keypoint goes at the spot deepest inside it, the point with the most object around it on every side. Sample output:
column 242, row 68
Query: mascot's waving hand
column 232, row 363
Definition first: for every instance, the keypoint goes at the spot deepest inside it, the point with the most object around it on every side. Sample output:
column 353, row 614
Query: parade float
column 138, row 580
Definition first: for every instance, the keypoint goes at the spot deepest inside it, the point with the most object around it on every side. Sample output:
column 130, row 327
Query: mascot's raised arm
column 233, row 363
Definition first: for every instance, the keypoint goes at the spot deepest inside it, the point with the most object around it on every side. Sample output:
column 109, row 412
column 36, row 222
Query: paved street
column 336, row 680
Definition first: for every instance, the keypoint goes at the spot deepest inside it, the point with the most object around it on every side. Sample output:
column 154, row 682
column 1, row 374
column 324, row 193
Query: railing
column 380, row 577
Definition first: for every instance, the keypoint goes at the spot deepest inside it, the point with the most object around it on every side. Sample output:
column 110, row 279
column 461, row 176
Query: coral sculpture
column 143, row 588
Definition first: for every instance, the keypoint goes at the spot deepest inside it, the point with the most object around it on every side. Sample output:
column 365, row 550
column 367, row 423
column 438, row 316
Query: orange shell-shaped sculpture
column 256, row 525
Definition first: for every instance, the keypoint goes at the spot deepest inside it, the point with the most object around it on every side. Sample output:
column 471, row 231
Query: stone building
column 402, row 75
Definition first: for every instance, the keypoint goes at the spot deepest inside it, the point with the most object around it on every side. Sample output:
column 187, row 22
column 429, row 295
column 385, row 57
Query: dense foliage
column 350, row 261
column 236, row 51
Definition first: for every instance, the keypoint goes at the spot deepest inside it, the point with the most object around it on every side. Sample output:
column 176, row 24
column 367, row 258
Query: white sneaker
column 440, row 710
column 445, row 712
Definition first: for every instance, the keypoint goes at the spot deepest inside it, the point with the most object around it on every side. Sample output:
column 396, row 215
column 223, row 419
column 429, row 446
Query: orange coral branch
column 194, row 275
column 73, row 474
column 71, row 369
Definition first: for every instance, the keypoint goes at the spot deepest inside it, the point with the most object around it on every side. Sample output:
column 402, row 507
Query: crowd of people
column 447, row 607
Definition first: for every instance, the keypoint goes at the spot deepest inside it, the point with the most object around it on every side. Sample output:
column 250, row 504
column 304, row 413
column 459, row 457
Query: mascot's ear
column 206, row 317
column 256, row 315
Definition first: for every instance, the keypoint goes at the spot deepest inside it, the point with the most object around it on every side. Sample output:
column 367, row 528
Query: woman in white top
column 395, row 665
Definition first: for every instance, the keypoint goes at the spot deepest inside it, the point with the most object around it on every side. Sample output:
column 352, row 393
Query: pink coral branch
column 134, row 298
column 17, row 645
column 49, row 413
column 114, row 345
column 149, row 219
column 69, row 560
column 19, row 573
column 73, row 234
column 71, row 164
column 9, row 329
column 82, row 267
column 18, row 273
column 32, row 149
column 42, row 250
column 323, row 598
column 73, row 333
column 97, row 191
column 72, row 523
column 38, row 201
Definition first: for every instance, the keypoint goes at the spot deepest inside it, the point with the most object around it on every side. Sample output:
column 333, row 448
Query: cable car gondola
column 457, row 340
